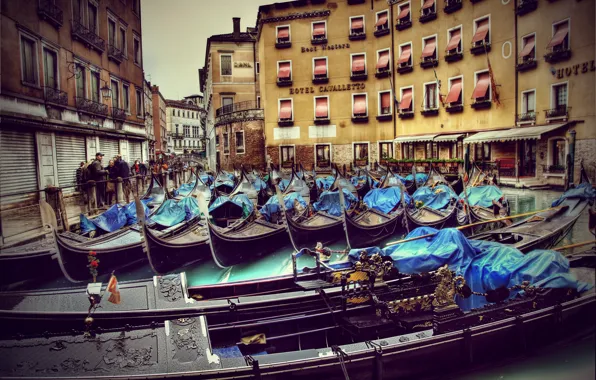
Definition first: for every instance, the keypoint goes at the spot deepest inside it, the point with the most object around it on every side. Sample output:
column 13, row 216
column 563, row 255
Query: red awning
column 359, row 104
column 405, row 54
column 530, row 42
column 454, row 92
column 385, row 100
column 406, row 99
column 405, row 11
column 283, row 32
column 382, row 19
column 318, row 29
column 284, row 70
column 454, row 41
column 481, row 86
column 357, row 23
column 383, row 61
column 320, row 66
column 481, row 31
column 428, row 4
column 321, row 107
column 357, row 63
column 285, row 109
column 559, row 37
column 429, row 48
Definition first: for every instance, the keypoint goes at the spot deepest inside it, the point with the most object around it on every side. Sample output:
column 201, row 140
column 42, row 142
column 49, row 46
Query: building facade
column 160, row 127
column 150, row 144
column 72, row 85
column 234, row 117
column 183, row 119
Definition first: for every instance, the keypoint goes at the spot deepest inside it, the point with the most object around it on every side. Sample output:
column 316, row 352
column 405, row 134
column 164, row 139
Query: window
column 123, row 40
column 406, row 104
column 385, row 103
column 258, row 102
column 321, row 107
column 319, row 68
column 115, row 95
column 227, row 103
column 216, row 140
column 257, row 67
column 482, row 152
column 225, row 61
column 404, row 15
column 407, row 151
column 482, row 91
column 177, row 129
column 50, row 68
column 359, row 105
column 428, row 7
column 558, row 153
column 92, row 17
column 385, row 150
column 357, row 25
column 454, row 43
column 139, row 103
column 283, row 34
column 112, row 32
column 481, row 32
column 77, row 11
column 405, row 55
column 383, row 62
column 560, row 40
column 94, row 86
column 323, row 155
column 186, row 131
column 358, row 64
column 455, row 95
column 28, row 60
column 226, row 139
column 240, row 142
column 285, row 110
column 80, row 81
column 382, row 23
column 136, row 6
column 126, row 97
column 361, row 151
column 431, row 150
column 137, row 49
column 559, row 96
column 430, row 96
column 529, row 103
column 528, row 52
column 429, row 48
column 456, row 149
column 319, row 30
column 286, row 154
column 284, row 71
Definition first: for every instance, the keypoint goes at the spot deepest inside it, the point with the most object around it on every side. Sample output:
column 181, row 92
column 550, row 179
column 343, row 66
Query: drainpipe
column 516, row 92
column 391, row 75
column 571, row 164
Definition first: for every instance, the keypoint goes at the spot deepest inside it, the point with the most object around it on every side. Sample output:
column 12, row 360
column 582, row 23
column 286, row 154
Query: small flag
column 113, row 289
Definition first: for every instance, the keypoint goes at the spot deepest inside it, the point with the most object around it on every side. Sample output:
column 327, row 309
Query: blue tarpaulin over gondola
column 582, row 191
column 394, row 180
column 259, row 184
column 420, row 178
column 326, row 182
column 360, row 180
column 206, row 178
column 238, row 200
column 169, row 214
column 482, row 195
column 385, row 200
column 130, row 210
column 485, row 265
column 272, row 205
column 283, row 184
column 329, row 202
column 437, row 197
column 185, row 189
column 191, row 207
column 113, row 218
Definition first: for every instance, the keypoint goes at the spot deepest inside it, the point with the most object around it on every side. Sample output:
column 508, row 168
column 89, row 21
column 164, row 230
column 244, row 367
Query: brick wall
column 254, row 143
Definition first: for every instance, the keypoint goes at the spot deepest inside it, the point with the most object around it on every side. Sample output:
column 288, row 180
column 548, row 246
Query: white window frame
column 523, row 102
column 436, row 37
column 379, row 54
column 523, row 38
column 379, row 103
column 330, row 152
column 315, row 107
column 135, row 37
column 221, row 74
column 401, row 95
column 387, row 26
column 490, row 90
column 366, row 97
column 401, row 46
column 35, row 57
column 379, row 148
column 363, row 24
column 236, row 143
column 127, row 85
column 359, row 143
column 352, row 59
column 113, row 19
column 279, row 108
column 291, row 73
column 461, row 37
column 400, row 6
column 293, row 146
column 313, row 65
column 436, row 95
column 124, row 44
column 57, row 52
column 312, row 29
column 462, row 86
column 552, row 93
column 554, row 28
column 289, row 32
column 490, row 29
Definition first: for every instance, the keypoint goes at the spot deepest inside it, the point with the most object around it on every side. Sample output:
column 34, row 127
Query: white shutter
column 70, row 152
column 18, row 169
column 109, row 147
column 135, row 151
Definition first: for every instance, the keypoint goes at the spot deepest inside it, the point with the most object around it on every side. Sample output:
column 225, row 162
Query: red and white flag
column 113, row 289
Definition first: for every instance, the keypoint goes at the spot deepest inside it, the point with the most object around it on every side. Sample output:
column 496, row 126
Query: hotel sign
column 312, row 49
column 575, row 69
column 330, row 88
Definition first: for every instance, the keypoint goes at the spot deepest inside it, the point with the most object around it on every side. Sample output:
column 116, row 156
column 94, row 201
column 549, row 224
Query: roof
column 181, row 104
column 513, row 134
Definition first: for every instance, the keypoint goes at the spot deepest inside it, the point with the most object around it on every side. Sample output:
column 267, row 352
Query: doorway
column 527, row 158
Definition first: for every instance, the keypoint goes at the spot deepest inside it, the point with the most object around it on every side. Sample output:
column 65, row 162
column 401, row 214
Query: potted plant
column 288, row 164
column 362, row 161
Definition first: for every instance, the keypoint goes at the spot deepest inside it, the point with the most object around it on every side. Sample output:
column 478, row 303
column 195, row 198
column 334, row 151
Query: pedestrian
column 111, row 185
column 79, row 176
column 98, row 173
column 124, row 173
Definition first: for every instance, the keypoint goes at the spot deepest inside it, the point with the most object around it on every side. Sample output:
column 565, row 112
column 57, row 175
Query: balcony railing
column 92, row 107
column 115, row 54
column 402, row 24
column 557, row 112
column 176, row 135
column 480, row 47
column 358, row 75
column 452, row 6
column 382, row 30
column 284, row 82
column 320, row 79
column 404, row 68
column 240, row 106
column 50, row 12
column 87, row 36
column 118, row 113
column 553, row 169
column 55, row 96
column 428, row 14
column 426, row 62
column 526, row 63
column 526, row 6
column 453, row 55
column 528, row 117
column 557, row 53
column 357, row 34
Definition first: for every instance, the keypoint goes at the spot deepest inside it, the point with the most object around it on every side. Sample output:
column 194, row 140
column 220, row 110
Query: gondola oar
column 560, row 208
column 342, row 203
column 280, row 199
column 574, row 245
column 204, row 209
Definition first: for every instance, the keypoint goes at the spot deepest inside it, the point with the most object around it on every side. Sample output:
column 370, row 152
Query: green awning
column 415, row 138
column 513, row 134
column 448, row 138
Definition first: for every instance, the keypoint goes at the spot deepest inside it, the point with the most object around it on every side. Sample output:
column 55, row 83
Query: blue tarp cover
column 482, row 195
column 583, row 191
column 420, row 178
column 206, row 178
column 130, row 210
column 191, row 207
column 239, row 200
column 361, row 180
column 272, row 205
column 283, row 184
column 393, row 179
column 329, row 202
column 325, row 182
column 169, row 213
column 385, row 200
column 437, row 197
column 113, row 218
column 185, row 189
column 485, row 265
column 259, row 184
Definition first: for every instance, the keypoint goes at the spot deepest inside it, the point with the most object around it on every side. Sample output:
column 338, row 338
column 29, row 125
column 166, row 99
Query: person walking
column 124, row 173
column 79, row 176
column 111, row 185
column 98, row 173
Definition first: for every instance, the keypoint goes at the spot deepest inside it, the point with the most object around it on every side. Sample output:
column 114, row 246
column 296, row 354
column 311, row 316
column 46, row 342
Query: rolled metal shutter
column 18, row 168
column 109, row 147
column 134, row 151
column 70, row 152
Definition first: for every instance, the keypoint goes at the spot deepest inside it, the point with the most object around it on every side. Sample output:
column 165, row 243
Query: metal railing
column 115, row 53
column 526, row 117
column 561, row 111
column 240, row 106
column 91, row 106
column 53, row 95
column 118, row 113
column 50, row 11
column 90, row 37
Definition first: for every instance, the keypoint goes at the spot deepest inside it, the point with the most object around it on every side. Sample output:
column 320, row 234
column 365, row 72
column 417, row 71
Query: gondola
column 187, row 189
column 155, row 191
column 246, row 186
column 224, row 182
column 428, row 216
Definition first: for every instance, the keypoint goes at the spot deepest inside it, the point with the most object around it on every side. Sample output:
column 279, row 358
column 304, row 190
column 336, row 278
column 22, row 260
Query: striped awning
column 416, row 138
column 513, row 134
column 448, row 138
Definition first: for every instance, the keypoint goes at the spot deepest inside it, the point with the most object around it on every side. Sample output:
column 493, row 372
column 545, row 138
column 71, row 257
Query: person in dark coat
column 124, row 173
column 98, row 173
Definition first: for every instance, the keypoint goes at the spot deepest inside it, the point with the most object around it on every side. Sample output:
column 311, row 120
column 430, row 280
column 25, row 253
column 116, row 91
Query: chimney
column 236, row 27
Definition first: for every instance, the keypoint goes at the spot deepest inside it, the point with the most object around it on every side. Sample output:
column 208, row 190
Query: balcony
column 284, row 82
column 358, row 76
column 526, row 118
column 454, row 108
column 283, row 44
column 480, row 47
column 319, row 40
column 404, row 68
column 50, row 12
column 92, row 107
column 557, row 113
column 238, row 112
column 383, row 73
column 360, row 119
column 118, row 113
column 430, row 111
column 321, row 120
column 55, row 96
column 482, row 104
column 406, row 114
column 176, row 135
column 428, row 15
column 90, row 38
column 382, row 31
column 452, row 6
column 320, row 79
column 526, row 6
column 428, row 62
column 557, row 54
column 403, row 24
column 525, row 64
column 115, row 54
column 357, row 34
column 454, row 56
